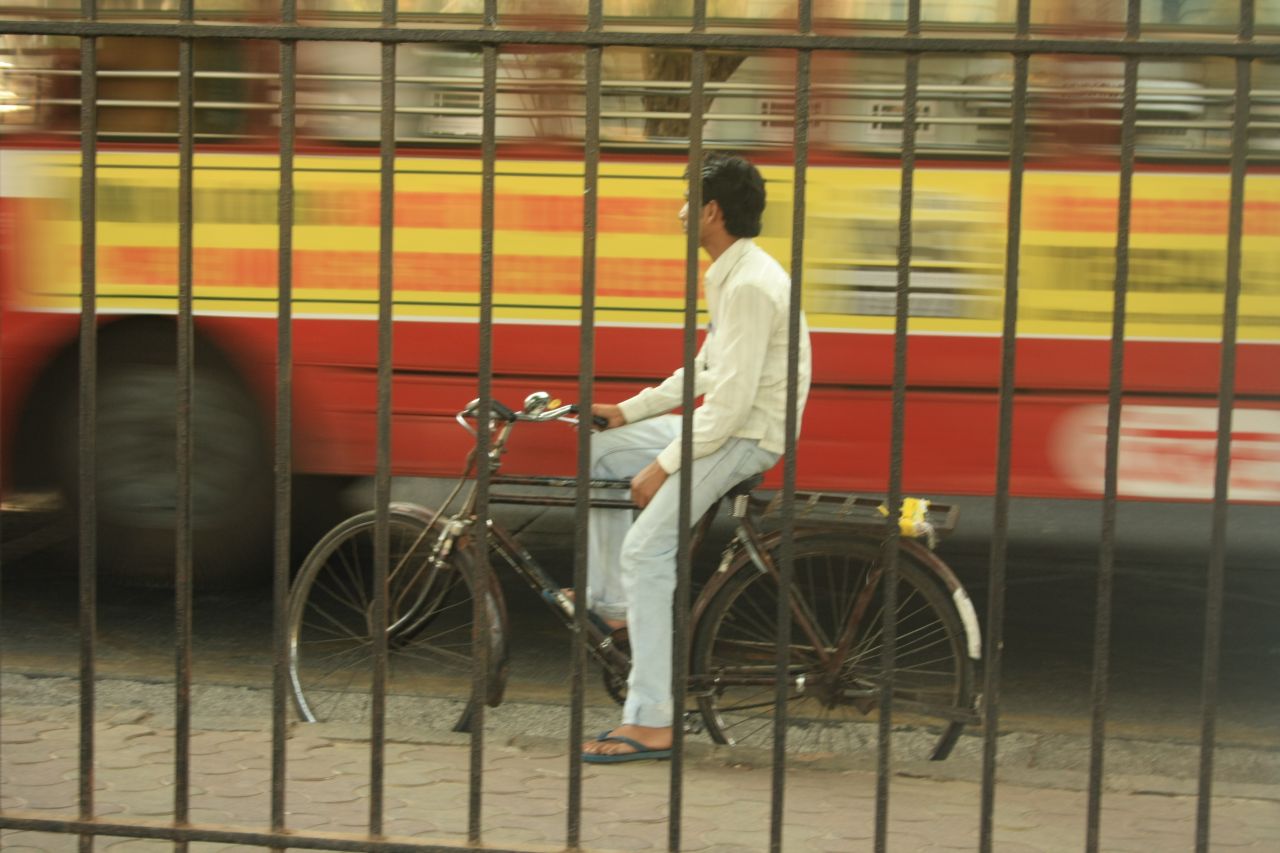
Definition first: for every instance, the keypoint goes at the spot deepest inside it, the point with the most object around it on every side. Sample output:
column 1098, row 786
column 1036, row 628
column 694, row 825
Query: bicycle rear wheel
column 429, row 622
column 838, row 586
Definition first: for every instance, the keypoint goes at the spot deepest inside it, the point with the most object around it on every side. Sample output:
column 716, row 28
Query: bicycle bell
column 536, row 403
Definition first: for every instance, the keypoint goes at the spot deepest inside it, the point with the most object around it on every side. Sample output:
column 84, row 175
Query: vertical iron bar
column 1222, row 469
column 480, row 542
column 884, row 757
column 586, row 396
column 88, row 414
column 183, row 569
column 786, row 567
column 994, row 650
column 382, row 476
column 1115, row 400
column 684, row 559
column 284, row 424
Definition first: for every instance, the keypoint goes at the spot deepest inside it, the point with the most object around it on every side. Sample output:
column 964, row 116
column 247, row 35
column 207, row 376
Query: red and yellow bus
column 1173, row 324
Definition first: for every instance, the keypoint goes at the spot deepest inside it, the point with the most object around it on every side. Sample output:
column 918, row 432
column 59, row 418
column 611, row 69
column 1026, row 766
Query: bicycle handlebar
column 535, row 411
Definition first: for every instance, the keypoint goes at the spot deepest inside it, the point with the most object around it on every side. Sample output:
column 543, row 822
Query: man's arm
column 746, row 320
column 662, row 398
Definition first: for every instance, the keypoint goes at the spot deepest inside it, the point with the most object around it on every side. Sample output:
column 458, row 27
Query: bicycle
column 835, row 672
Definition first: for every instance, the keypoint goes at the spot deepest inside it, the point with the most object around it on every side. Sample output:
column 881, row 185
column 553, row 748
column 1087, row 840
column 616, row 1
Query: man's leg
column 649, row 577
column 618, row 454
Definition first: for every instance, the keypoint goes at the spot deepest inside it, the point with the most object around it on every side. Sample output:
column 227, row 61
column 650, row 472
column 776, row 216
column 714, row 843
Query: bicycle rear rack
column 868, row 514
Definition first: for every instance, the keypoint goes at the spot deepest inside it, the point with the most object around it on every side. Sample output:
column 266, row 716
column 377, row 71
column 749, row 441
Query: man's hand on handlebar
column 611, row 413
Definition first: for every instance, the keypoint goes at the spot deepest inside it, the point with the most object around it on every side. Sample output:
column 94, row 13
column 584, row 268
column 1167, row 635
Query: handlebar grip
column 496, row 410
column 502, row 411
column 597, row 421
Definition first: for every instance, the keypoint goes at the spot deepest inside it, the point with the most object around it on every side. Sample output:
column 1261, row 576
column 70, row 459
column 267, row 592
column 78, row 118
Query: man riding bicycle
column 738, row 432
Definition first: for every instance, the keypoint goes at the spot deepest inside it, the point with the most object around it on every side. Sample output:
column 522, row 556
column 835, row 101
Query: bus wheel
column 137, row 469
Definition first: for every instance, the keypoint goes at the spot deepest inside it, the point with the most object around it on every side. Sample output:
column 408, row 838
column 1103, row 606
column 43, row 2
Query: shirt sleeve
column 662, row 398
column 744, row 326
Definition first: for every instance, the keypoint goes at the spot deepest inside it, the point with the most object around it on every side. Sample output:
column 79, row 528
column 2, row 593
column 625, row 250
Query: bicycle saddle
column 746, row 486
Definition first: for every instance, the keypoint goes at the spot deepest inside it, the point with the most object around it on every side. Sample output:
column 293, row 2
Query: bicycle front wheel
column 836, row 673
column 430, row 618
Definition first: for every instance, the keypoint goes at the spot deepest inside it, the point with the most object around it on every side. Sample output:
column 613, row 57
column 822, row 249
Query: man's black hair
column 738, row 187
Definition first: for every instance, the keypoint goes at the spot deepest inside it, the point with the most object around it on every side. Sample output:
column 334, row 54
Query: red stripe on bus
column 1149, row 216
column 512, row 211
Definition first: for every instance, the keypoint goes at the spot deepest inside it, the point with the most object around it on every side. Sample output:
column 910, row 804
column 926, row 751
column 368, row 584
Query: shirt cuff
column 633, row 409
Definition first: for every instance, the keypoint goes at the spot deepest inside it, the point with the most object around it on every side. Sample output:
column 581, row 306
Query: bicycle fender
column 959, row 597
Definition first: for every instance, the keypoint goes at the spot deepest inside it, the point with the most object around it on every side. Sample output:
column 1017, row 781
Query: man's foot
column 628, row 743
column 613, row 624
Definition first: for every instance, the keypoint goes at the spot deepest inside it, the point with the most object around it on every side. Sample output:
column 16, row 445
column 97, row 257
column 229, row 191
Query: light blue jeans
column 632, row 561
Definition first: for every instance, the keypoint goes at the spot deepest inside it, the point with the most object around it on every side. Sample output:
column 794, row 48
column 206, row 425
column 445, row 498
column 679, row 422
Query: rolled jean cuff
column 610, row 611
column 658, row 716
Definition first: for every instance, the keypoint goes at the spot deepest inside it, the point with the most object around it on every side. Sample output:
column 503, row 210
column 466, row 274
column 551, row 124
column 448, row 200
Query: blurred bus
column 1173, row 323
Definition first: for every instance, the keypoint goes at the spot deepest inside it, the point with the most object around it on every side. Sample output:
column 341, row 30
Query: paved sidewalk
column 726, row 798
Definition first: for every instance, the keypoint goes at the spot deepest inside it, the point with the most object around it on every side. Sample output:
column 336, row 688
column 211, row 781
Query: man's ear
column 714, row 213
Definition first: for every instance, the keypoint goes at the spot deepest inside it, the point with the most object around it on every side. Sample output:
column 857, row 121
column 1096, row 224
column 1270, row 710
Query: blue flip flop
column 642, row 752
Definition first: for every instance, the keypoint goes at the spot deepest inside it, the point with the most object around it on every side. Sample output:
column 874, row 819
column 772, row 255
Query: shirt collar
column 723, row 265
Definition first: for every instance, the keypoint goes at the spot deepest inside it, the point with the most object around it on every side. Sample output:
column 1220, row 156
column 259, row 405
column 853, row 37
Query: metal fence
column 1020, row 45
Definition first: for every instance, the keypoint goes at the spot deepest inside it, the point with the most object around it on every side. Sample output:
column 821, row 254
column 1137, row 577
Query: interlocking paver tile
column 748, row 838
column 300, row 821
column 256, row 811
column 514, row 836
column 212, row 817
column 623, row 841
column 157, row 807
column 643, row 805
column 123, row 732
column 34, row 754
column 37, row 842
column 26, row 731
column 62, row 796
column 411, row 827
column 139, row 779
column 9, row 801
column 108, row 760
column 38, row 775
column 325, row 796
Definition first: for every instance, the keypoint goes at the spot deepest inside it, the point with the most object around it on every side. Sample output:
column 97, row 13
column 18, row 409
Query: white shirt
column 741, row 370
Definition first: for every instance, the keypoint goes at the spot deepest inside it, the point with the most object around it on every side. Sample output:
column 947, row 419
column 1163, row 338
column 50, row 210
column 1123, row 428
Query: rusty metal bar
column 884, row 753
column 88, row 417
column 382, row 476
column 684, row 557
column 480, row 541
column 691, row 40
column 287, row 840
column 586, row 396
column 284, row 428
column 182, row 587
column 786, row 552
column 1212, row 654
column 1103, row 607
column 993, row 653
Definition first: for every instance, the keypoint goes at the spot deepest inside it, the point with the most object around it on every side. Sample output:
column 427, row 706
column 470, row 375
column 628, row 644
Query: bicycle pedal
column 693, row 723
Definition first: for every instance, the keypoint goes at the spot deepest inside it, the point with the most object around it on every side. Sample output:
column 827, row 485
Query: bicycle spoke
column 737, row 645
column 429, row 630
